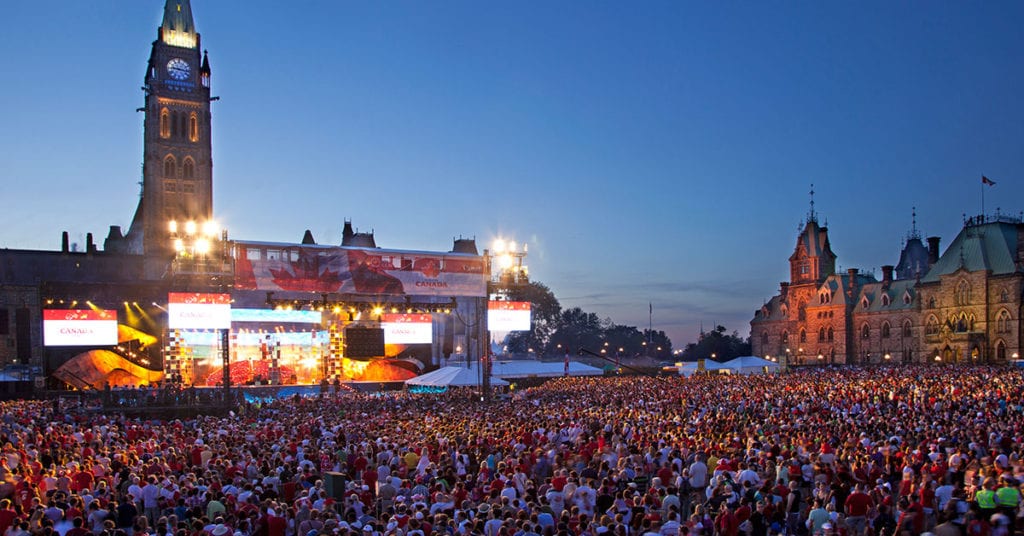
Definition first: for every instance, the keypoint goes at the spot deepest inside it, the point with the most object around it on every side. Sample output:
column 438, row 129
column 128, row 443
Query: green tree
column 545, row 314
column 716, row 342
column 576, row 329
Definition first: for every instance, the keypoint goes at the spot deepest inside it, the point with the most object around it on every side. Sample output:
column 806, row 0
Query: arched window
column 885, row 300
column 885, row 330
column 865, row 331
column 864, row 302
column 174, row 124
column 931, row 302
column 963, row 293
column 821, row 334
column 906, row 328
column 187, row 169
column 932, row 326
column 764, row 340
column 960, row 324
column 169, row 167
column 165, row 123
column 785, row 337
column 906, row 298
column 803, row 335
column 1000, row 351
column 193, row 127
column 1003, row 321
column 831, row 335
column 181, row 128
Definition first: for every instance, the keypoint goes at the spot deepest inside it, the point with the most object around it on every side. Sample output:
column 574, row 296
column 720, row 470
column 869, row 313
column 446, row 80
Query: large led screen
column 508, row 316
column 188, row 310
column 87, row 327
column 407, row 328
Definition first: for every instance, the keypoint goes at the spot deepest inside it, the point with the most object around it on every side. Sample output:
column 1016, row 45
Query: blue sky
column 648, row 152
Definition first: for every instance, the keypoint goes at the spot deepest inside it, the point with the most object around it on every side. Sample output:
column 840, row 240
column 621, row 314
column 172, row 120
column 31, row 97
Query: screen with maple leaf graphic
column 333, row 269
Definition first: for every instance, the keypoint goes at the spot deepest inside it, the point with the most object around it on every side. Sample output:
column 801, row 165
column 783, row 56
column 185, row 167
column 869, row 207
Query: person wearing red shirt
column 857, row 506
column 726, row 524
column 7, row 515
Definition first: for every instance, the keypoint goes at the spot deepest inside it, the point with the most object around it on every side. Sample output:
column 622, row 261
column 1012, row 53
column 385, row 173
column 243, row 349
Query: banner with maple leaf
column 332, row 269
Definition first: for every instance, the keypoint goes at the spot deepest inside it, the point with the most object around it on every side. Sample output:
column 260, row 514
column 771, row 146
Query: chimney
column 933, row 250
column 783, row 289
column 64, row 243
column 852, row 272
column 90, row 246
column 887, row 273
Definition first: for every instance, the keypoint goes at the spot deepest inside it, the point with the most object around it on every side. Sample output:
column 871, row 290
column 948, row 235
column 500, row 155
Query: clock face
column 178, row 69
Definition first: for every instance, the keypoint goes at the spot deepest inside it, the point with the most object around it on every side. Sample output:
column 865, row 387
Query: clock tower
column 177, row 167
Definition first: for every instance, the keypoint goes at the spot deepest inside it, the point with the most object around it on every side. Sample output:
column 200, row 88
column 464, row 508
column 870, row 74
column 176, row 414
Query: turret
column 204, row 71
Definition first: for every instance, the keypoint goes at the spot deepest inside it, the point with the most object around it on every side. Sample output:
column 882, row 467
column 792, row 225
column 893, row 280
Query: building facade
column 961, row 306
column 170, row 248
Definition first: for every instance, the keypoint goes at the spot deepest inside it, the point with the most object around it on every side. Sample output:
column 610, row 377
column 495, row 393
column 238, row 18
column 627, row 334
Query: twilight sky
column 648, row 152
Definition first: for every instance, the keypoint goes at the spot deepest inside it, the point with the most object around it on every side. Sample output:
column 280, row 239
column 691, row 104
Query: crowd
column 844, row 451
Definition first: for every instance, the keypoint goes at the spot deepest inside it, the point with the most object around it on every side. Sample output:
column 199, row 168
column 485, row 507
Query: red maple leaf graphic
column 428, row 267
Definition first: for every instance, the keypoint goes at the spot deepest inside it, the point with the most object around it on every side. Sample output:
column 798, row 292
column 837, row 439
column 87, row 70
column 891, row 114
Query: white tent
column 689, row 368
column 452, row 377
column 751, row 365
column 541, row 369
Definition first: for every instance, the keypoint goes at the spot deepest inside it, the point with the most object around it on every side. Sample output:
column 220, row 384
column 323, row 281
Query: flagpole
column 983, row 198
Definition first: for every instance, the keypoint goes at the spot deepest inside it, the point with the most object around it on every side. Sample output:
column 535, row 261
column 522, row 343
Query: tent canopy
column 751, row 364
column 541, row 369
column 452, row 377
column 709, row 365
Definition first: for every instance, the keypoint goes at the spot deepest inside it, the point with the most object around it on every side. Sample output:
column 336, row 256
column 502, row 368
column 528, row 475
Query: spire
column 914, row 233
column 177, row 28
column 812, row 216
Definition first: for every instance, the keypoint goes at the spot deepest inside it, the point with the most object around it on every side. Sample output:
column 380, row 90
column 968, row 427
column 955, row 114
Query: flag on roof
column 988, row 181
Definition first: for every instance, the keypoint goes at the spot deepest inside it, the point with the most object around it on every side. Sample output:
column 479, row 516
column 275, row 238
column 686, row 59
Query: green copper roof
column 988, row 246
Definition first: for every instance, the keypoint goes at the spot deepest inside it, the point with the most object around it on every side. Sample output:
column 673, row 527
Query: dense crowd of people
column 843, row 451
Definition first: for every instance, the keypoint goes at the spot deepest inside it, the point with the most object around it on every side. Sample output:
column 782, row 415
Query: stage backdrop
column 331, row 269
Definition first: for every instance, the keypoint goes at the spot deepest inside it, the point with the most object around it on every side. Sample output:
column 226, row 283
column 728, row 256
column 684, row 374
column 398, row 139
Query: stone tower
column 177, row 164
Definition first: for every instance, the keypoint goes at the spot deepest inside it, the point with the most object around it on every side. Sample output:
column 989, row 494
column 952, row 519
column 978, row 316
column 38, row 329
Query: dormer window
column 864, row 302
column 885, row 300
column 906, row 298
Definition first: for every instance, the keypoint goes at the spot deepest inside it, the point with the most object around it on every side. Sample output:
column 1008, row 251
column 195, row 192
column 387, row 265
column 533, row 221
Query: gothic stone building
column 961, row 306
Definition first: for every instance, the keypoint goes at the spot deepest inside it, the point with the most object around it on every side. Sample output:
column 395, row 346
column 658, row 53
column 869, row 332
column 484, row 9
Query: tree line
column 556, row 331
